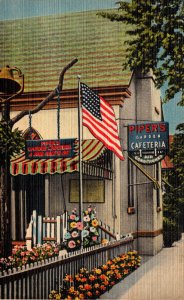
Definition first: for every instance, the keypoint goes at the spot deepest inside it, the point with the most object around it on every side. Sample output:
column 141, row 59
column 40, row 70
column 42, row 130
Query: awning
column 91, row 150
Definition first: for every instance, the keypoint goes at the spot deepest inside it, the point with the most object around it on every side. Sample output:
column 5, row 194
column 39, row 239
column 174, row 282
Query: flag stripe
column 99, row 117
column 109, row 143
column 101, row 126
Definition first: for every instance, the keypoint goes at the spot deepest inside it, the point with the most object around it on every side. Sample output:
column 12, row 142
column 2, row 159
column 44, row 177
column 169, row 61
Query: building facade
column 124, row 195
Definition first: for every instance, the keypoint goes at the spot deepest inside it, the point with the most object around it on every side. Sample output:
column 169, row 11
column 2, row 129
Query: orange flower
column 71, row 289
column 118, row 276
column 92, row 277
column 89, row 294
column 68, row 278
column 94, row 223
column 105, row 267
column 84, row 279
column 102, row 287
column 81, row 296
column 96, row 285
column 87, row 287
column 106, row 282
column 103, row 277
column 77, row 277
column 104, row 241
column 113, row 267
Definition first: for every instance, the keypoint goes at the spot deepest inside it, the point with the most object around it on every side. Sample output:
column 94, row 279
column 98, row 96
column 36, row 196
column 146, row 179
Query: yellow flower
column 98, row 271
column 104, row 241
column 94, row 223
column 73, row 225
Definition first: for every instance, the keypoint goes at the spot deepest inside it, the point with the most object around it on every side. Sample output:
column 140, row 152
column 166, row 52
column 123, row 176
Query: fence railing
column 49, row 229
column 35, row 281
column 45, row 229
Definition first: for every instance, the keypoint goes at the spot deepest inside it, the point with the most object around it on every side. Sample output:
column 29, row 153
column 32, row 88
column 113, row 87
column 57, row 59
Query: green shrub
column 171, row 232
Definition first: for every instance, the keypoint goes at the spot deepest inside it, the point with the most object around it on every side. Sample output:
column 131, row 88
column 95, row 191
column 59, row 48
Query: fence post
column 29, row 234
column 34, row 227
column 58, row 229
column 65, row 224
column 40, row 234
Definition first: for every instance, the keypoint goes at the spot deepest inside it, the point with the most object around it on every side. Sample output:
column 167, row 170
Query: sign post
column 148, row 143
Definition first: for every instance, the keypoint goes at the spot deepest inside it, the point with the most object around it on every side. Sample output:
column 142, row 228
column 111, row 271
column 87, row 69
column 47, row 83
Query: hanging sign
column 148, row 143
column 44, row 149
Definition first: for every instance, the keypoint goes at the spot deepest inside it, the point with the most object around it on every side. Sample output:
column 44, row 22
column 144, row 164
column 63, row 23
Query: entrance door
column 29, row 195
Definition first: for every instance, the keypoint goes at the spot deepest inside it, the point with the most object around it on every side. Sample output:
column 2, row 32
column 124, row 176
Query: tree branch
column 47, row 99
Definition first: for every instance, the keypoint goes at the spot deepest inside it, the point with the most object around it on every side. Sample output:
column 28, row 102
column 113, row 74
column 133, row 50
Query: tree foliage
column 11, row 141
column 155, row 40
column 174, row 194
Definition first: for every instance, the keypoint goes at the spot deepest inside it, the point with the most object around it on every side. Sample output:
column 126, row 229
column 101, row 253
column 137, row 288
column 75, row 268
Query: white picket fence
column 35, row 281
column 49, row 229
column 45, row 229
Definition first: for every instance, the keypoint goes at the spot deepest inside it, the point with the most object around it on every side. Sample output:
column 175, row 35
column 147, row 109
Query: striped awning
column 91, row 150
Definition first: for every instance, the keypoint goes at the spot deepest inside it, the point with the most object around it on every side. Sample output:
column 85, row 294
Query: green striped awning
column 91, row 150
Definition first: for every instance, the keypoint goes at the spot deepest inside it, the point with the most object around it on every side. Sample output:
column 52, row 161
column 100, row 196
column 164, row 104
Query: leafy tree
column 11, row 142
column 174, row 196
column 155, row 40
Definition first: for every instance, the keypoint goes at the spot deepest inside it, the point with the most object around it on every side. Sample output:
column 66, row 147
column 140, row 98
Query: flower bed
column 21, row 256
column 90, row 285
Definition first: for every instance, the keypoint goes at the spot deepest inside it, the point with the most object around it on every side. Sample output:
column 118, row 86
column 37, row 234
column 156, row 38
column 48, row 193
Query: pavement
column 160, row 277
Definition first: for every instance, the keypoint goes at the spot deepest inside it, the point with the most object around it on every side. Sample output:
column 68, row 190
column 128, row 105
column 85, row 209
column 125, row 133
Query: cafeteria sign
column 44, row 149
column 148, row 143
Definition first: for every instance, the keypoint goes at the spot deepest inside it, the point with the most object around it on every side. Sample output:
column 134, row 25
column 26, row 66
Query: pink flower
column 72, row 217
column 94, row 238
column 79, row 225
column 74, row 234
column 71, row 244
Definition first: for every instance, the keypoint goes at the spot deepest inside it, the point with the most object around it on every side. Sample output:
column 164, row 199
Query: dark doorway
column 29, row 195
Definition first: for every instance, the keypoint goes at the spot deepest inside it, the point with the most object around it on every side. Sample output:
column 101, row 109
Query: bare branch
column 47, row 99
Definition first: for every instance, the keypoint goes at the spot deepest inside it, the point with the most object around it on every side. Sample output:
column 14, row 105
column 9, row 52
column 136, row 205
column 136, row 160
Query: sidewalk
column 160, row 278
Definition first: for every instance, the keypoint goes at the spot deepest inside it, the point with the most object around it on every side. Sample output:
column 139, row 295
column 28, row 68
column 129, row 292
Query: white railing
column 49, row 229
column 46, row 229
column 35, row 281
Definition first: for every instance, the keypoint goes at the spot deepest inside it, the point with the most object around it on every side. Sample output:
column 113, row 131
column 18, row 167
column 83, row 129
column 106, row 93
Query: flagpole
column 80, row 153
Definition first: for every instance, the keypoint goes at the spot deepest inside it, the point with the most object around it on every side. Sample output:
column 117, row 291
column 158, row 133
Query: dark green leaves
column 155, row 40
column 11, row 142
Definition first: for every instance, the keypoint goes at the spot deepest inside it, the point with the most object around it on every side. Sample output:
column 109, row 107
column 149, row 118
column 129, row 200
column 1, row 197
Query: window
column 131, row 187
column 157, row 176
column 93, row 191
